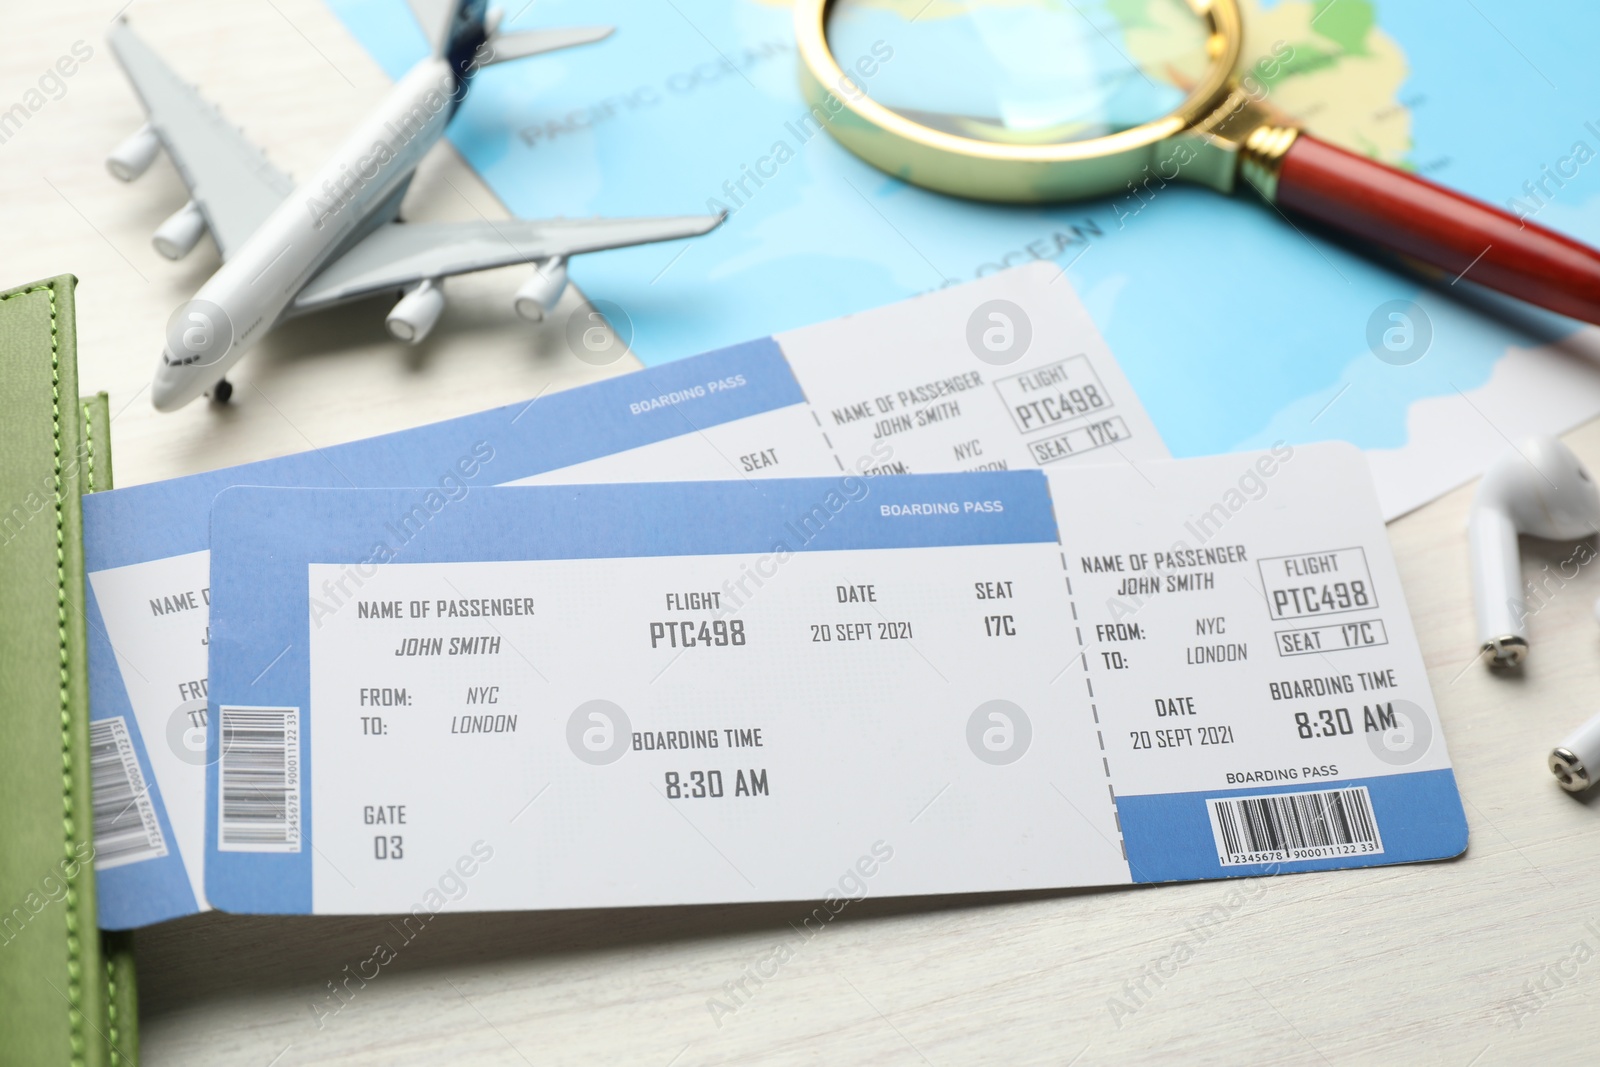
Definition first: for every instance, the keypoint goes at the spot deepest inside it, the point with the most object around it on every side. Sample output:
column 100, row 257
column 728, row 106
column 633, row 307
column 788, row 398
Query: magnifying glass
column 1033, row 101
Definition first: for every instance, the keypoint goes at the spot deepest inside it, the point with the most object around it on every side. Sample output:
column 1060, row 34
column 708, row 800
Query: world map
column 1236, row 327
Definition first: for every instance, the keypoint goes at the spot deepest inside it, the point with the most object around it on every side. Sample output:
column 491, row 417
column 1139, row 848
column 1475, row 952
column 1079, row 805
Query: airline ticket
column 645, row 694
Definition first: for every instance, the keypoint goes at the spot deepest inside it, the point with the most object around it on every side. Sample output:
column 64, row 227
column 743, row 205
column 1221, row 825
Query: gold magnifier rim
column 910, row 150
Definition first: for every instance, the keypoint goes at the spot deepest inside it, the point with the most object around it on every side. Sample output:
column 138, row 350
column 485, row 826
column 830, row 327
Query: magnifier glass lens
column 1020, row 71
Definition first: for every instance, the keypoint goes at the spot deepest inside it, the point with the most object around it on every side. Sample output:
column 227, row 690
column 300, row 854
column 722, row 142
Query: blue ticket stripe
column 152, row 891
column 1169, row 837
column 162, row 519
column 142, row 523
column 263, row 540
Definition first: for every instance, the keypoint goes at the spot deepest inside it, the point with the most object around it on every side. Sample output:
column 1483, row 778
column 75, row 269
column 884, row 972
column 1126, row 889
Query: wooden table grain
column 1490, row 959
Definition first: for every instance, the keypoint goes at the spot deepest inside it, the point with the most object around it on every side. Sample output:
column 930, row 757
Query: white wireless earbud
column 1542, row 490
column 1576, row 761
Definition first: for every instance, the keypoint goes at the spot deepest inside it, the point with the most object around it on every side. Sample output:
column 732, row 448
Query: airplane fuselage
column 355, row 191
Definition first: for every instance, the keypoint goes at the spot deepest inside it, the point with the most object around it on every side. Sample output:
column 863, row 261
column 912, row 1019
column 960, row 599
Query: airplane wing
column 230, row 180
column 403, row 253
column 508, row 46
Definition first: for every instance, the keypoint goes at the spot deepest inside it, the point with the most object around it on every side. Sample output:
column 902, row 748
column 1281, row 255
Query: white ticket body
column 614, row 695
column 1007, row 372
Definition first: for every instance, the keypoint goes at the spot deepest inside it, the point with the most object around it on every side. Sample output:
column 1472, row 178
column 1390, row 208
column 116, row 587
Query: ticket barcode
column 1294, row 826
column 125, row 825
column 259, row 780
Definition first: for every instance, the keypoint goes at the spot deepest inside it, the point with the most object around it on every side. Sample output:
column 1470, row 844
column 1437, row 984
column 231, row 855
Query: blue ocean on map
column 1235, row 327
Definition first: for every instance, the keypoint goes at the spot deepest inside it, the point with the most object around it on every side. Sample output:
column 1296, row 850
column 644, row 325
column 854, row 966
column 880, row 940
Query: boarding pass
column 1006, row 372
column 649, row 694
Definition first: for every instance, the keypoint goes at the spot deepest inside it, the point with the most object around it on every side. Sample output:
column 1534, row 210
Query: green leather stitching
column 111, row 1012
column 88, row 445
column 112, row 1036
column 74, row 944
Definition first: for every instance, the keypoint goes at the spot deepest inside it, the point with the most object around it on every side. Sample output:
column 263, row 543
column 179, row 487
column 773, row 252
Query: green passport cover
column 67, row 994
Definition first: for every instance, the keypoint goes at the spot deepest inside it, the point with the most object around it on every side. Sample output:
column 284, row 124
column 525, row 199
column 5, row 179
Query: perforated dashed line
column 825, row 439
column 1088, row 683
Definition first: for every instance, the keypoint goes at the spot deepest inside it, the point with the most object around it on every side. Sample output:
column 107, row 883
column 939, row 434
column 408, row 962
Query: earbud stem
column 1497, row 586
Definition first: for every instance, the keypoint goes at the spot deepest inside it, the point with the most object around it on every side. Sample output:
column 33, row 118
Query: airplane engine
column 416, row 313
column 540, row 292
column 133, row 157
column 177, row 237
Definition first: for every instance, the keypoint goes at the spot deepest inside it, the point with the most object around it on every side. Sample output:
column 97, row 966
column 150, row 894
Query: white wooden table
column 1487, row 959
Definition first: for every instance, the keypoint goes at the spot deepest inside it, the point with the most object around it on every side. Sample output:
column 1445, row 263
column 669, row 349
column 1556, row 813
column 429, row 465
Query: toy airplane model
column 289, row 250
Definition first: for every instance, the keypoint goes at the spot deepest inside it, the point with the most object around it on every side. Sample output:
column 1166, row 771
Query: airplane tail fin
column 453, row 27
column 458, row 29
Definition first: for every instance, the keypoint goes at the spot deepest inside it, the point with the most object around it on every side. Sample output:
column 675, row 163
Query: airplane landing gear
column 221, row 391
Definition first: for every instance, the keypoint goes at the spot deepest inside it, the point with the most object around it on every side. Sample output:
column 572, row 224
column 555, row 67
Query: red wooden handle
column 1428, row 222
